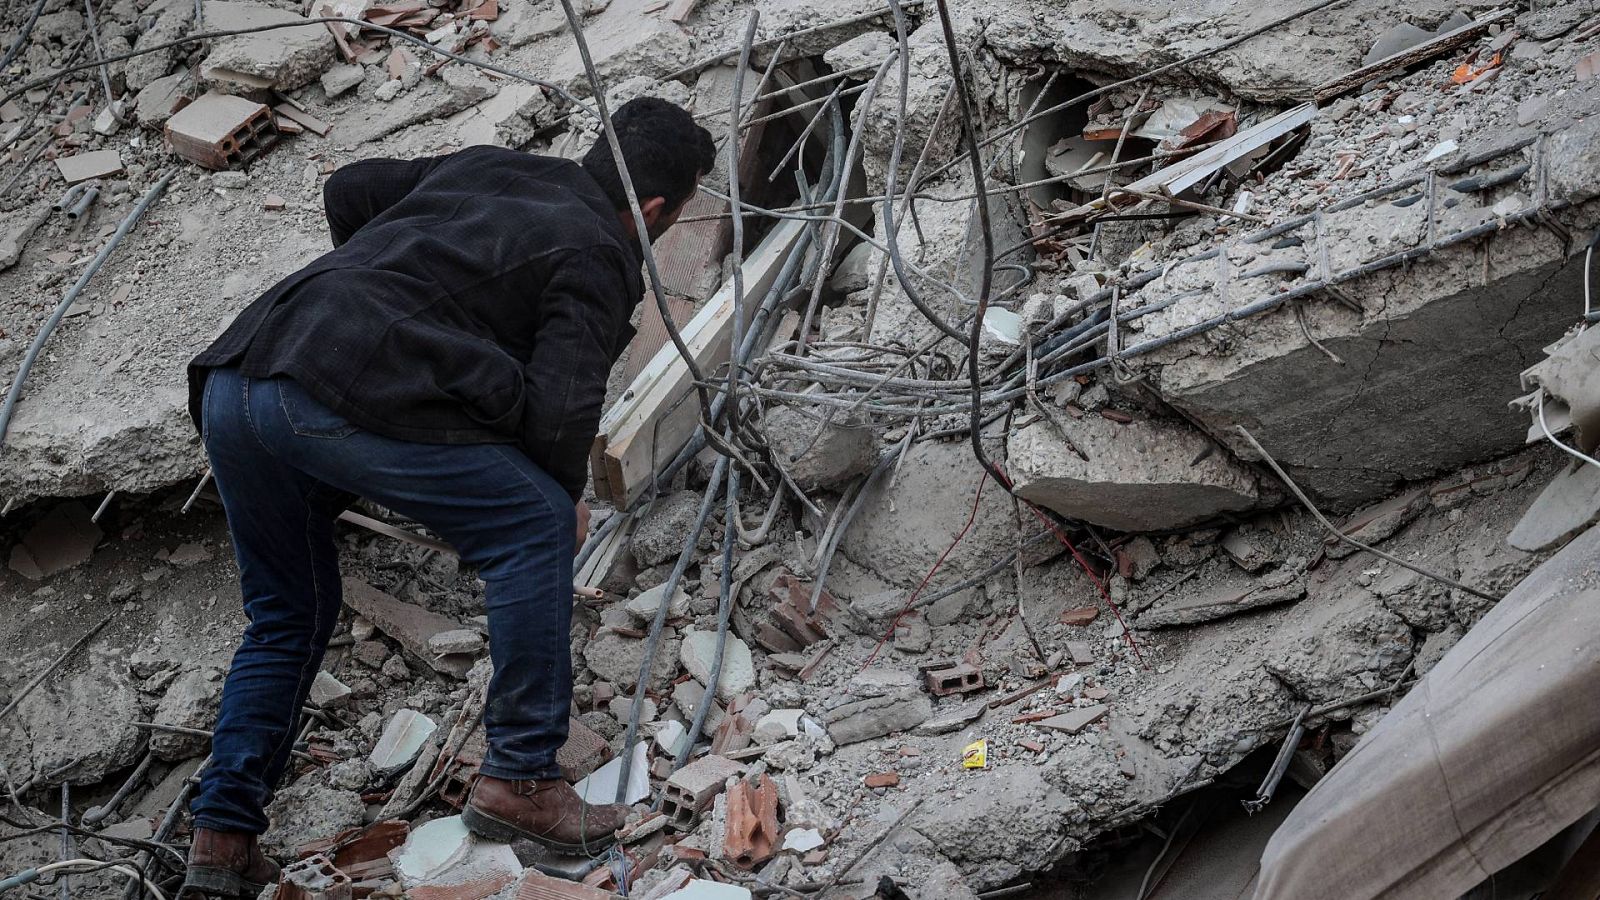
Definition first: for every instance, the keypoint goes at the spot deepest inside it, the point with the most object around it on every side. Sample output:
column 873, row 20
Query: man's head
column 666, row 153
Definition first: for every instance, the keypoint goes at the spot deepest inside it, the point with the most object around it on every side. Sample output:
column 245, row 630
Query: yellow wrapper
column 976, row 755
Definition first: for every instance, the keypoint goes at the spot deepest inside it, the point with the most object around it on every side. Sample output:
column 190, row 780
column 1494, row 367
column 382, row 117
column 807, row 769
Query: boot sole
column 486, row 826
column 214, row 882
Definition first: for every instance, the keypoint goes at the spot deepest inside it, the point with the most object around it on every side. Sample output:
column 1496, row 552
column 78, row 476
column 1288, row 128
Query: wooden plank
column 303, row 118
column 598, row 567
column 662, row 414
column 1407, row 58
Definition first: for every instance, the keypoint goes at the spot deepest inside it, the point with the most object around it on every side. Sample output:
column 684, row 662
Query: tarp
column 1495, row 750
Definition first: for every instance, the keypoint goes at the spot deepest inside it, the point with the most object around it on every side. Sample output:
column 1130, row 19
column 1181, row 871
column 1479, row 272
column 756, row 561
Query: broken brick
column 220, row 131
column 751, row 836
column 960, row 678
column 883, row 780
column 691, row 788
column 536, row 885
column 314, row 878
column 1033, row 746
column 735, row 731
column 1083, row 615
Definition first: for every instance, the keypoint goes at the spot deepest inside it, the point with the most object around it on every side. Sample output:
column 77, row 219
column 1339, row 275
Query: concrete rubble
column 948, row 678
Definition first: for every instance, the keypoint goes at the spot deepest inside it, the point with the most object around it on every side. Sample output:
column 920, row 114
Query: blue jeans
column 286, row 465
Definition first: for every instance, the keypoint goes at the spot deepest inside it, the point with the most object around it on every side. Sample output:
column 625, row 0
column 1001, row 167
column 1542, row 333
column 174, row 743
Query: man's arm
column 579, row 313
column 360, row 192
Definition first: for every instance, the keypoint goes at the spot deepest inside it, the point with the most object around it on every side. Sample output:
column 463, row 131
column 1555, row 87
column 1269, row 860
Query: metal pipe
column 66, row 200
column 84, row 201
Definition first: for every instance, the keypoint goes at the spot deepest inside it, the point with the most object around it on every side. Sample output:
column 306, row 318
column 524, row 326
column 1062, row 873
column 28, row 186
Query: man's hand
column 583, row 526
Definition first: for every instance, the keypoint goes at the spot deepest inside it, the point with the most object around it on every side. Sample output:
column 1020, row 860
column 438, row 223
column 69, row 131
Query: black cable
column 969, row 129
column 891, row 238
column 22, row 37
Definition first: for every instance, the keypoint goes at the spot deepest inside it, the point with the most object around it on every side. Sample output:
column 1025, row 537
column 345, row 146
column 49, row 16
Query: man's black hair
column 665, row 149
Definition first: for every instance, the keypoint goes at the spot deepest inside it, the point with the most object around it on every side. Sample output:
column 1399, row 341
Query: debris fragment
column 401, row 742
column 314, row 878
column 1076, row 720
column 750, row 834
column 219, row 131
column 691, row 788
column 407, row 623
column 601, row 785
column 441, row 860
column 82, row 167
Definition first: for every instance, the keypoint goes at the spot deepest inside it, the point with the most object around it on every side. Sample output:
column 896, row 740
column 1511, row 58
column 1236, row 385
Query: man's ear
column 653, row 208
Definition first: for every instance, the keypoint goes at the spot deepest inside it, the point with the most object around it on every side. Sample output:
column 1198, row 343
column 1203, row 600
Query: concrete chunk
column 456, row 640
column 441, row 860
column 327, row 691
column 1139, row 476
column 601, row 786
column 283, row 59
column 643, row 607
column 401, row 741
column 1236, row 593
column 863, row 720
column 738, row 673
column 847, row 447
column 191, row 702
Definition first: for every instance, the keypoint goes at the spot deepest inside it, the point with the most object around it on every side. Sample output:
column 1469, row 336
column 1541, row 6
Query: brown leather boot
column 548, row 812
column 227, row 864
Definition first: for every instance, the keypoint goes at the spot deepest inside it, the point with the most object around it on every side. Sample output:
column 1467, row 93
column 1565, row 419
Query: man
column 447, row 360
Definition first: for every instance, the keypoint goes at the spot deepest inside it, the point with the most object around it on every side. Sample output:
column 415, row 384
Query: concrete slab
column 85, row 166
column 1139, row 476
column 1568, row 504
column 284, row 59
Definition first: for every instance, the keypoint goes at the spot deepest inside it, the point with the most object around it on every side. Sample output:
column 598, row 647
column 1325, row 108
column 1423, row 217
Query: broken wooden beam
column 1409, row 57
column 659, row 415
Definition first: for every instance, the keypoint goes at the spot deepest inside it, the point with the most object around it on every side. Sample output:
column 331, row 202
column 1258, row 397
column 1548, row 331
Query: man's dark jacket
column 477, row 297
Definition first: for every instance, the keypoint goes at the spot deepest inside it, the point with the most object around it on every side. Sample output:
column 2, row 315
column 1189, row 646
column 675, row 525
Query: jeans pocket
column 206, row 411
column 307, row 417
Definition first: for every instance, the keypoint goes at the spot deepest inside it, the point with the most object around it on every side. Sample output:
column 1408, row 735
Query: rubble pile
column 964, row 622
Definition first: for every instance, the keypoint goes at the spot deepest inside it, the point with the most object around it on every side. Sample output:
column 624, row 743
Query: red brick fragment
column 1083, row 615
column 883, row 780
column 751, row 836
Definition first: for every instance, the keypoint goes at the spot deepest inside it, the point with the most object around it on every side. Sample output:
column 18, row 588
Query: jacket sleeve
column 360, row 192
column 580, row 313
